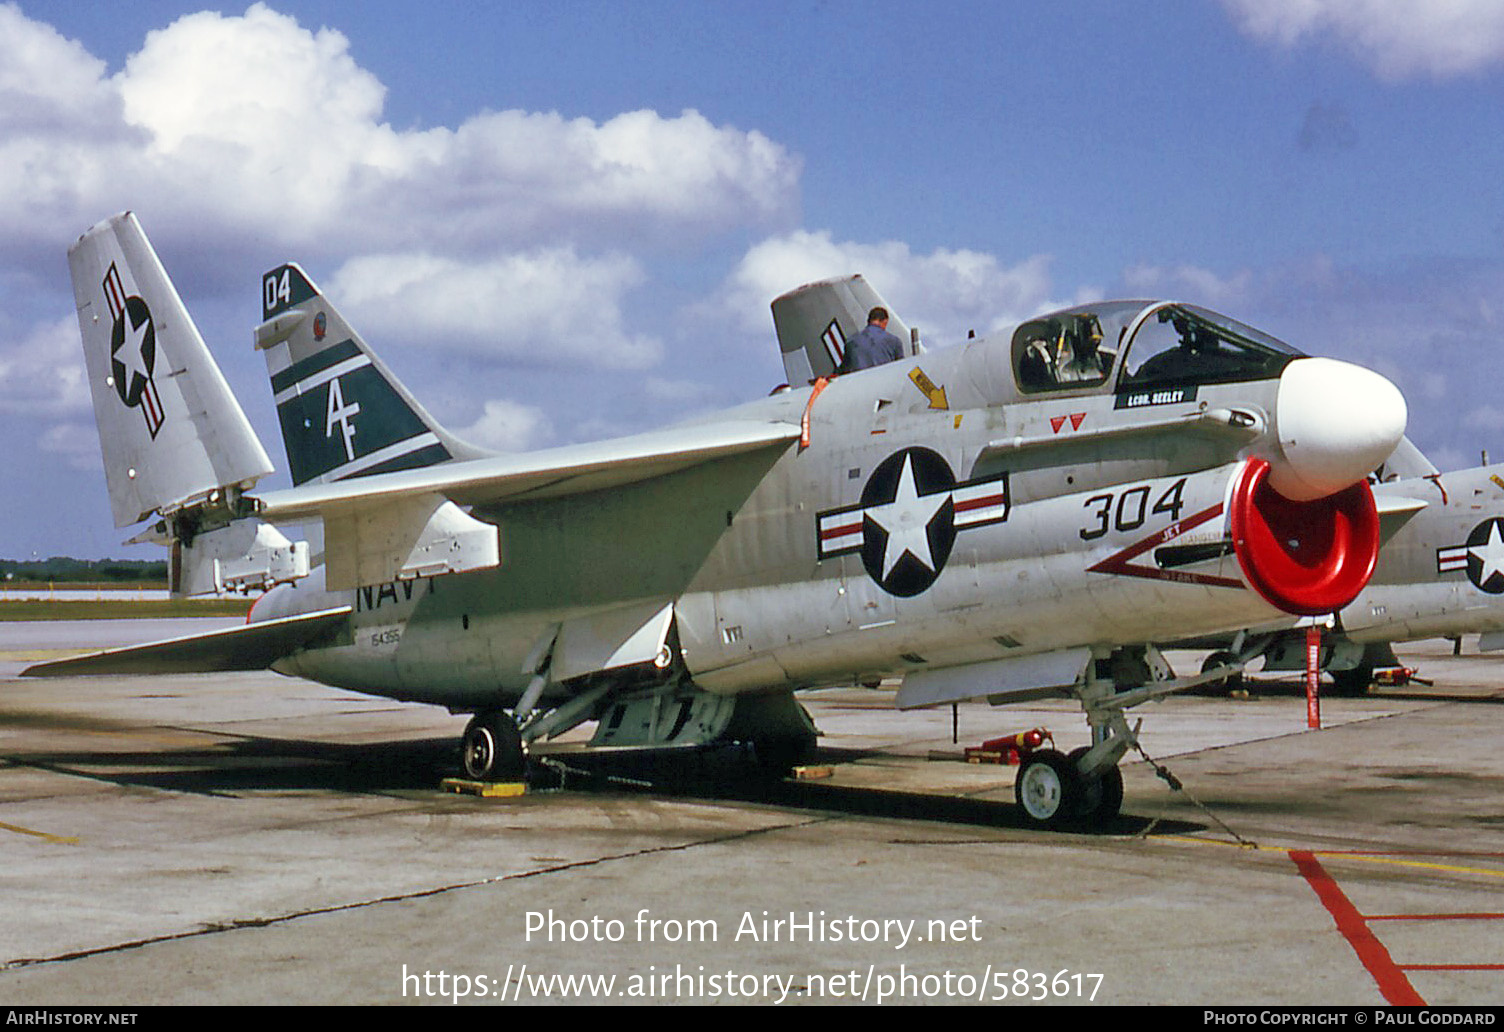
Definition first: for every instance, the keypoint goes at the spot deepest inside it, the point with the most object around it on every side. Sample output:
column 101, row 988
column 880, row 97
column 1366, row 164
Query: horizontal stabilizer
column 252, row 647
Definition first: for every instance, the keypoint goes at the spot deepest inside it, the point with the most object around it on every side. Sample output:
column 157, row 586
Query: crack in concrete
column 264, row 922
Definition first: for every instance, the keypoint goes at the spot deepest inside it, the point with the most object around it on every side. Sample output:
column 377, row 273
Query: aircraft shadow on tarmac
column 731, row 774
column 248, row 764
column 1294, row 687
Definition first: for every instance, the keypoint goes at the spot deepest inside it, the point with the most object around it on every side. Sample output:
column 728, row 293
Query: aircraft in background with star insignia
column 1482, row 556
column 1440, row 574
column 1007, row 518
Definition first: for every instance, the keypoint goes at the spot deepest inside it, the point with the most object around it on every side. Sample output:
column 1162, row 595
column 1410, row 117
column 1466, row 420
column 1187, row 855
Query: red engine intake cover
column 1307, row 558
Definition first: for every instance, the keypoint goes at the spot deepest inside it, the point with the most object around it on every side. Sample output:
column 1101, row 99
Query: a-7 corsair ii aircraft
column 999, row 519
column 1440, row 575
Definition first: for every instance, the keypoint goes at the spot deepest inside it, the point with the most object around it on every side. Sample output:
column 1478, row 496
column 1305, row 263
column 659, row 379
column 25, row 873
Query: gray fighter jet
column 1000, row 519
column 1439, row 575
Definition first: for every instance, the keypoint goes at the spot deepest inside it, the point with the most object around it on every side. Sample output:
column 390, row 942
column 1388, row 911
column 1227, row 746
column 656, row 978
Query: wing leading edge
column 572, row 469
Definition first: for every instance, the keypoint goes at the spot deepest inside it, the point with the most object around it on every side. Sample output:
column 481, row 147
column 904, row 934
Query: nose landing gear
column 1053, row 792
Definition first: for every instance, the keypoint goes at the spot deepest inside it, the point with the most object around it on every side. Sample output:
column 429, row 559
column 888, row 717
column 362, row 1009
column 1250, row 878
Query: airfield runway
column 251, row 839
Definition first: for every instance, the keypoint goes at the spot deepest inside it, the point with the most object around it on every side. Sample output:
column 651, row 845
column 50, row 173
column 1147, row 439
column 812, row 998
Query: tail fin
column 343, row 413
column 815, row 321
column 172, row 434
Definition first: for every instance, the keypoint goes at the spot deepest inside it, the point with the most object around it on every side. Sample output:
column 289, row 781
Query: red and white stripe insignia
column 114, row 292
column 981, row 502
column 151, row 407
column 1449, row 560
column 840, row 532
column 975, row 503
column 834, row 341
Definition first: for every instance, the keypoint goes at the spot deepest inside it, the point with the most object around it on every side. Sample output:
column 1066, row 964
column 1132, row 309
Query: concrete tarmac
column 245, row 838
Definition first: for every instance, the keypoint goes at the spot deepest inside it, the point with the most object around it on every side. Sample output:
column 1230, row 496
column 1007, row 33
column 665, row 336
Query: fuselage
column 941, row 513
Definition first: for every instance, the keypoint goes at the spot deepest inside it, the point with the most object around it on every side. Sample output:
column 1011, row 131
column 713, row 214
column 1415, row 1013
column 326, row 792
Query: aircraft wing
column 407, row 524
column 572, row 469
column 252, row 647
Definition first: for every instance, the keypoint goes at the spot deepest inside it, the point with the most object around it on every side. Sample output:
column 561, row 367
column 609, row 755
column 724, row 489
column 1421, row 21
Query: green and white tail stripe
column 342, row 412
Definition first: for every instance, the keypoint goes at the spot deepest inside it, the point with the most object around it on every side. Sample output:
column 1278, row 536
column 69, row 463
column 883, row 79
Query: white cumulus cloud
column 43, row 374
column 508, row 426
column 255, row 122
column 507, row 237
column 1399, row 38
column 1188, row 283
column 76, row 443
column 544, row 307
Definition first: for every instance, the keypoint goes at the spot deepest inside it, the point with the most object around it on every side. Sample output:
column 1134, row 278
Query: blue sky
column 564, row 221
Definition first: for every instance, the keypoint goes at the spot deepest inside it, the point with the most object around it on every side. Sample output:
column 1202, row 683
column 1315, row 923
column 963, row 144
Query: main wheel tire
column 776, row 758
column 1352, row 682
column 491, row 749
column 1047, row 788
column 1230, row 683
column 1101, row 800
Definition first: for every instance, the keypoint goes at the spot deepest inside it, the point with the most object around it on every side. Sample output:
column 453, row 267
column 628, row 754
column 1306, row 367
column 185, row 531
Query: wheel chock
column 486, row 789
column 813, row 773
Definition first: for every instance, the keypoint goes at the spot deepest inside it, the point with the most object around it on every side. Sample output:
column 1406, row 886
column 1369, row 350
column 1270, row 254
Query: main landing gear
column 675, row 715
column 491, row 749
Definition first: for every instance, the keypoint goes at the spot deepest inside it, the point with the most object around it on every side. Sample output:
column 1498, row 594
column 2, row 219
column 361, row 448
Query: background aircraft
column 1000, row 519
column 1439, row 575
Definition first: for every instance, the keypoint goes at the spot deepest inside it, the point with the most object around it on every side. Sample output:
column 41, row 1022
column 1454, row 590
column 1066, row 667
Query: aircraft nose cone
column 1337, row 422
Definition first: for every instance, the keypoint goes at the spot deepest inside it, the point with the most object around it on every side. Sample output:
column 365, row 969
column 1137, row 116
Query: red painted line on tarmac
column 1386, row 974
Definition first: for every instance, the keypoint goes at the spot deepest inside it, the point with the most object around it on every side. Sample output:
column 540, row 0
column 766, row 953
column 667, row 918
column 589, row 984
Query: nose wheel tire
column 1047, row 789
column 491, row 749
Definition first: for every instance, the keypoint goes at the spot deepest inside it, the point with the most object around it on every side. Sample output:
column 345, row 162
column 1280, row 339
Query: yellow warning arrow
column 928, row 389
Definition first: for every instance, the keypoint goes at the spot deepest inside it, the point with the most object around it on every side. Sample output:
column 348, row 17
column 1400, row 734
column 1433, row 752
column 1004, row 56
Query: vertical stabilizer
column 172, row 434
column 342, row 411
column 815, row 321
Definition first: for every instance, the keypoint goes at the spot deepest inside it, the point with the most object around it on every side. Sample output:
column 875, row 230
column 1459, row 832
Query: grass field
column 121, row 609
column 67, row 585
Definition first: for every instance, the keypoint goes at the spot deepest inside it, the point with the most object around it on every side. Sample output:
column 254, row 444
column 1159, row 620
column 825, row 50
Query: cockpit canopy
column 1139, row 344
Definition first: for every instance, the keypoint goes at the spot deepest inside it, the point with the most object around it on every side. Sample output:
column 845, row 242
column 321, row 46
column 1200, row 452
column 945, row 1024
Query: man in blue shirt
column 873, row 346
